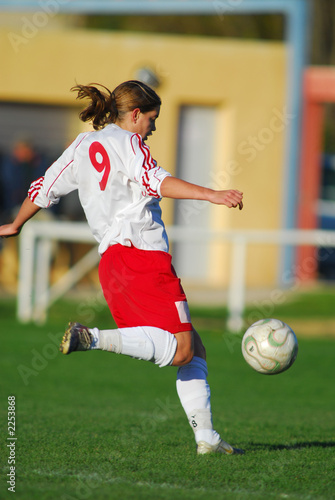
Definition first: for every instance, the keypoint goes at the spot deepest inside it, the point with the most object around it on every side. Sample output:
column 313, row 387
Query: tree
column 321, row 43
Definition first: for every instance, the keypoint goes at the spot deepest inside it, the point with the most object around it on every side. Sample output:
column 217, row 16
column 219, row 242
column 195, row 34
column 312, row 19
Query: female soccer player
column 120, row 186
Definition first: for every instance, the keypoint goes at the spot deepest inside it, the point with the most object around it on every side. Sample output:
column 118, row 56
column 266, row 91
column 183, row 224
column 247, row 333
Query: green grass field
column 101, row 426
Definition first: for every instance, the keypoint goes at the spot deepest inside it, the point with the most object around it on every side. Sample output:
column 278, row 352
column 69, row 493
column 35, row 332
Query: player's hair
column 107, row 107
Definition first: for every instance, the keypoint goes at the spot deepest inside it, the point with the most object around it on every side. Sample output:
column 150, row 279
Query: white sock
column 141, row 342
column 194, row 394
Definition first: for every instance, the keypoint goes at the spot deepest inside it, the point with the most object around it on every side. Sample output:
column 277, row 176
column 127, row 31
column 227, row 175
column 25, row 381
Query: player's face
column 146, row 123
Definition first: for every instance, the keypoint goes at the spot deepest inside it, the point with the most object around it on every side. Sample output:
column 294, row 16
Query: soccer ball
column 269, row 346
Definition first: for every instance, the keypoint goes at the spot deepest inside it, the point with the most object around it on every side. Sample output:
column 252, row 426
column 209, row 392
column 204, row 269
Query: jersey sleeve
column 145, row 169
column 59, row 180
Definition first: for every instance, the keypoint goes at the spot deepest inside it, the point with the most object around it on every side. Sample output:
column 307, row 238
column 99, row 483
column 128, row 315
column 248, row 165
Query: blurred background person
column 17, row 168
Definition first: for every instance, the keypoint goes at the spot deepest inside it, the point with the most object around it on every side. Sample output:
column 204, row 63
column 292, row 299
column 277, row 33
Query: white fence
column 35, row 294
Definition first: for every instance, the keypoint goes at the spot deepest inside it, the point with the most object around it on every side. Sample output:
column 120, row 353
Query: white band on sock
column 192, row 386
column 200, row 419
column 107, row 340
column 194, row 394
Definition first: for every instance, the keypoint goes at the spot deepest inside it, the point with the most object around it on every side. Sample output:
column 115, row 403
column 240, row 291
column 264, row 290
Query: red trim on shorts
column 141, row 288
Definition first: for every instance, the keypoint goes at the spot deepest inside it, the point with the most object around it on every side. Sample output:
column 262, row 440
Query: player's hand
column 9, row 230
column 232, row 198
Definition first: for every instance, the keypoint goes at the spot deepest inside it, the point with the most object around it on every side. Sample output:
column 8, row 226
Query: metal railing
column 35, row 294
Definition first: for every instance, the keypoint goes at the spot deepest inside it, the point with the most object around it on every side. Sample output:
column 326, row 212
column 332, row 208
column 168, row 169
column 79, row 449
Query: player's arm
column 27, row 211
column 171, row 187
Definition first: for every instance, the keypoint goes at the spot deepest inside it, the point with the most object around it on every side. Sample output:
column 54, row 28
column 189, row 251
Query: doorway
column 196, row 133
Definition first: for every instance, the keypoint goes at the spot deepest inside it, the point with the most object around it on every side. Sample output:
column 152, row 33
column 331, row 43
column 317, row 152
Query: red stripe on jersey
column 148, row 164
column 38, row 183
column 60, row 173
column 149, row 161
column 87, row 133
column 131, row 141
column 33, row 196
column 75, row 148
column 150, row 191
column 83, row 139
column 35, row 187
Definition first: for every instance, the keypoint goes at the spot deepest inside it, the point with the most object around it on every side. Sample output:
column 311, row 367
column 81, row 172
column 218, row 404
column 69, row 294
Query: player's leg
column 195, row 396
column 142, row 342
column 146, row 292
column 136, row 297
column 185, row 348
column 162, row 348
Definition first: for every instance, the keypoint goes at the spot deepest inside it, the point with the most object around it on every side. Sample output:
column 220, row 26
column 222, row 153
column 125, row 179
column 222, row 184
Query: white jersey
column 118, row 183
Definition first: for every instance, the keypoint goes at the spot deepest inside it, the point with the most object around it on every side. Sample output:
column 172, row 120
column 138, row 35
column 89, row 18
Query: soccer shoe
column 221, row 447
column 76, row 338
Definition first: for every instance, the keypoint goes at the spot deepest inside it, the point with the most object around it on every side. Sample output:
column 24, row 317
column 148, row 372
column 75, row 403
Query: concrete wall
column 244, row 80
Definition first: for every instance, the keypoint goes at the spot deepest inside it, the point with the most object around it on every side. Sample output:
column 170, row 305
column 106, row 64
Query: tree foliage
column 321, row 39
column 219, row 24
column 321, row 43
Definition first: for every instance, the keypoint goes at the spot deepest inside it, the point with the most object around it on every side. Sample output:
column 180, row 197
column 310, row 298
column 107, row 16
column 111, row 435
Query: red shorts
column 142, row 289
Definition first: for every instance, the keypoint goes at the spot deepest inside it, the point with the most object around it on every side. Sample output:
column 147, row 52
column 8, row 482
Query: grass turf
column 101, row 426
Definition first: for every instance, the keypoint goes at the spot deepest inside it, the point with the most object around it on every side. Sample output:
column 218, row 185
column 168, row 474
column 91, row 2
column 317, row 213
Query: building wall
column 245, row 81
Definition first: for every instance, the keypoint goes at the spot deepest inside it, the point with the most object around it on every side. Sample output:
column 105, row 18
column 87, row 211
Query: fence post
column 26, row 274
column 42, row 278
column 236, row 289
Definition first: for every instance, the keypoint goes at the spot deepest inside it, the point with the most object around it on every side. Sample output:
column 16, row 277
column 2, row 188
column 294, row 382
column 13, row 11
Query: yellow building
column 222, row 122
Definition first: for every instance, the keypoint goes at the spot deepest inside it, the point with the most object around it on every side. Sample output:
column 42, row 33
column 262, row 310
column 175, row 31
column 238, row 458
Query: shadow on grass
column 296, row 446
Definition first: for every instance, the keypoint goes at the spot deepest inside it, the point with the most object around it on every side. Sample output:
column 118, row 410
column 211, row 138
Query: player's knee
column 185, row 349
column 186, row 358
column 183, row 358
